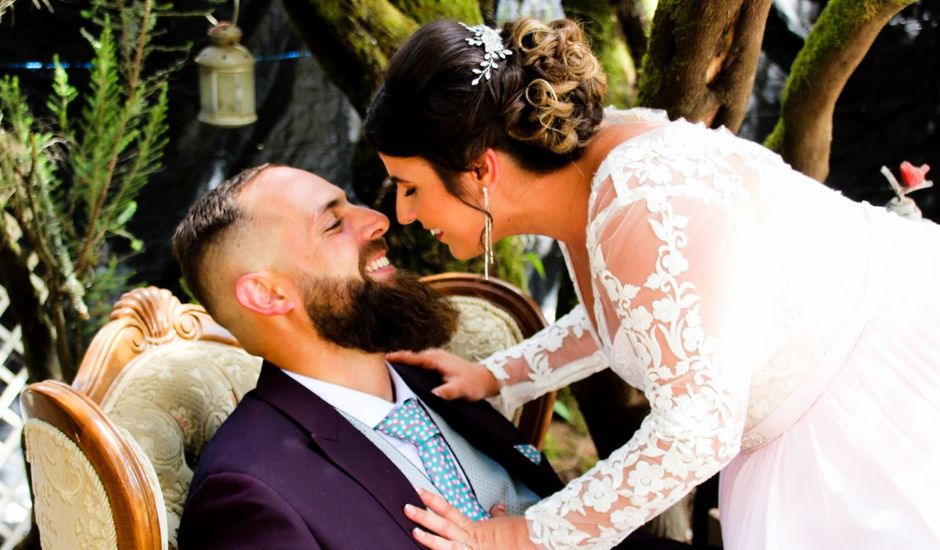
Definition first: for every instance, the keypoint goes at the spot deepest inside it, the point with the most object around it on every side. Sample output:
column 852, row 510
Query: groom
column 324, row 452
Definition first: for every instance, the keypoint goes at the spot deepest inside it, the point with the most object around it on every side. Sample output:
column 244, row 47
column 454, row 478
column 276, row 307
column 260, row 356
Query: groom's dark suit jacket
column 286, row 470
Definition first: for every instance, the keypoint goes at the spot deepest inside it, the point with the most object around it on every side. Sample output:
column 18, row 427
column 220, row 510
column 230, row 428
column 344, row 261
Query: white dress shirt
column 367, row 409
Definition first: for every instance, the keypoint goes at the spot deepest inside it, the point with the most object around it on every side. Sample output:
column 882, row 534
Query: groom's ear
column 261, row 293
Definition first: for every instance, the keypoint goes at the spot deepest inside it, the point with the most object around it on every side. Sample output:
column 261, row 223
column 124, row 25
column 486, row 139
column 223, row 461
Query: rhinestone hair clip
column 492, row 45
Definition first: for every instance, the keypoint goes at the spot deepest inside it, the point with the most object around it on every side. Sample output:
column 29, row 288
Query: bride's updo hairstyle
column 541, row 105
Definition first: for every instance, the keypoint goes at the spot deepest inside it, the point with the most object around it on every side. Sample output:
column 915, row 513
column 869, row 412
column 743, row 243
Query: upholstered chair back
column 168, row 376
column 171, row 400
column 483, row 328
column 495, row 315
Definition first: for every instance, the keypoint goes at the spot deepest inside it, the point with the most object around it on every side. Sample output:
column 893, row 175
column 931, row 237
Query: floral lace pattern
column 527, row 371
column 675, row 215
column 651, row 321
column 706, row 292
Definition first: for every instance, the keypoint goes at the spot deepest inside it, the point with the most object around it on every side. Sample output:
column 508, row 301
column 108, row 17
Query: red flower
column 913, row 176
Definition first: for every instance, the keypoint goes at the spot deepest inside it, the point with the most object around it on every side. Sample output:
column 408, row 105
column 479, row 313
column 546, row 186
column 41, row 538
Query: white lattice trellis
column 14, row 492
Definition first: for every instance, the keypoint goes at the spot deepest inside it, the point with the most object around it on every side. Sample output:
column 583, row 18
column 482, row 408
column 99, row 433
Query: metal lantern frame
column 226, row 78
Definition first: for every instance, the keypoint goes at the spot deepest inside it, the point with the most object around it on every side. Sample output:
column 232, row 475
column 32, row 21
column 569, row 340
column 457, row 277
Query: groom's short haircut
column 212, row 220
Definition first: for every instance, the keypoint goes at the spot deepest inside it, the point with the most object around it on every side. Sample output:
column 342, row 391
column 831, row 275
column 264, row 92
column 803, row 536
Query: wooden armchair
column 495, row 315
column 112, row 455
column 155, row 384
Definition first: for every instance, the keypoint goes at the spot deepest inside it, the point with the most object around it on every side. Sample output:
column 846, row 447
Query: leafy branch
column 69, row 183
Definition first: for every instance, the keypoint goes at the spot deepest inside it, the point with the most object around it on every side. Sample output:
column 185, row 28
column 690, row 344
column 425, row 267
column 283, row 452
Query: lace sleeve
column 556, row 356
column 666, row 252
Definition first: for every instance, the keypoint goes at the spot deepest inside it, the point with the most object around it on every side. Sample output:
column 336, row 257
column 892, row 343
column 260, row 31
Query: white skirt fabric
column 861, row 468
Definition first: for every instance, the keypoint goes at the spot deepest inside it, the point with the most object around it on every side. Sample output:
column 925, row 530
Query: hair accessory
column 487, row 235
column 493, row 46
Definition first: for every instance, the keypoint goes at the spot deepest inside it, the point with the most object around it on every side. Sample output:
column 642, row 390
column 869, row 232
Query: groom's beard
column 401, row 314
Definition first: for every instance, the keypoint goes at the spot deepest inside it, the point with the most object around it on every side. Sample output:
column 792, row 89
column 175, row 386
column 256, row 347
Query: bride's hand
column 445, row 528
column 462, row 378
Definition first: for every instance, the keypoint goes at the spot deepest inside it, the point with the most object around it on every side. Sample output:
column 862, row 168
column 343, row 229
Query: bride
column 783, row 334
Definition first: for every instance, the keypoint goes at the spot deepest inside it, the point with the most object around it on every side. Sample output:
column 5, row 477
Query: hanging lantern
column 226, row 79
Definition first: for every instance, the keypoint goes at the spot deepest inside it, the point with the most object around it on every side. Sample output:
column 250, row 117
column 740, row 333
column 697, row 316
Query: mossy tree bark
column 600, row 20
column 835, row 46
column 635, row 24
column 701, row 59
column 353, row 41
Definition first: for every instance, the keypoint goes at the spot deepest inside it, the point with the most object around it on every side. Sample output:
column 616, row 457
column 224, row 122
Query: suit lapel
column 339, row 441
column 484, row 428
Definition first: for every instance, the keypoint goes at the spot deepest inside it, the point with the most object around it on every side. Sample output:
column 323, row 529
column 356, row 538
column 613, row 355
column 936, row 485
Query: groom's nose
column 372, row 224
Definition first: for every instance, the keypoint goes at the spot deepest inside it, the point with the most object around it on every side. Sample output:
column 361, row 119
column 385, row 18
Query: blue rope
column 48, row 66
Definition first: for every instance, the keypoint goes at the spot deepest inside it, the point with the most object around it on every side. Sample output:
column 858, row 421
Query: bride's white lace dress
column 780, row 331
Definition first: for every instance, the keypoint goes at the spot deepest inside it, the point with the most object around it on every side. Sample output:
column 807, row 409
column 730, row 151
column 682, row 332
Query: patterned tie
column 411, row 423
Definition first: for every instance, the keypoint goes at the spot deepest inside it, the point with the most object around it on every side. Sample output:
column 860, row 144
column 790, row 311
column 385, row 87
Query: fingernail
column 409, row 509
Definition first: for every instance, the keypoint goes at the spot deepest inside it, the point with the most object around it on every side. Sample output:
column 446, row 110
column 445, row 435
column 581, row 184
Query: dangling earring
column 487, row 235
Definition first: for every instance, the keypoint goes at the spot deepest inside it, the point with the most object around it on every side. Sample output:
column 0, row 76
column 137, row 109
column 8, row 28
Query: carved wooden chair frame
column 128, row 489
column 141, row 319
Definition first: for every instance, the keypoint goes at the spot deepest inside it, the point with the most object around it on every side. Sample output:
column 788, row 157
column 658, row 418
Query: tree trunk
column 702, row 58
column 39, row 348
column 635, row 24
column 353, row 41
column 600, row 22
column 835, row 46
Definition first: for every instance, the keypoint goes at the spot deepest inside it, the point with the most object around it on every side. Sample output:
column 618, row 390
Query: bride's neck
column 553, row 204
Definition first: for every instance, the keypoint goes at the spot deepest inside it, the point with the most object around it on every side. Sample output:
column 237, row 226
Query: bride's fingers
column 498, row 510
column 433, row 523
column 424, row 359
column 448, row 391
column 435, row 542
column 442, row 508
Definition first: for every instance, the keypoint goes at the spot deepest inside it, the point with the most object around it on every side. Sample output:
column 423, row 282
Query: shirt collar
column 364, row 407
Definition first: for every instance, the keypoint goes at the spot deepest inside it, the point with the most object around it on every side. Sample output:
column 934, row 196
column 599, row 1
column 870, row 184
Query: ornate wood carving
column 142, row 318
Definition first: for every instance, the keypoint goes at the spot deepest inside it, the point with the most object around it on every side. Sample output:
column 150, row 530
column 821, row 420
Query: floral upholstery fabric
column 484, row 329
column 70, row 502
column 171, row 400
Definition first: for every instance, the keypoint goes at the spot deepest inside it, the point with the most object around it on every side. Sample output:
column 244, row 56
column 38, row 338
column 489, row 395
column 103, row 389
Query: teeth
column 435, row 232
column 377, row 264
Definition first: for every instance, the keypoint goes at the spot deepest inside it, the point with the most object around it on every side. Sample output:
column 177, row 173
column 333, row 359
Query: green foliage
column 69, row 184
column 536, row 262
column 510, row 261
column 62, row 94
column 429, row 10
column 566, row 443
